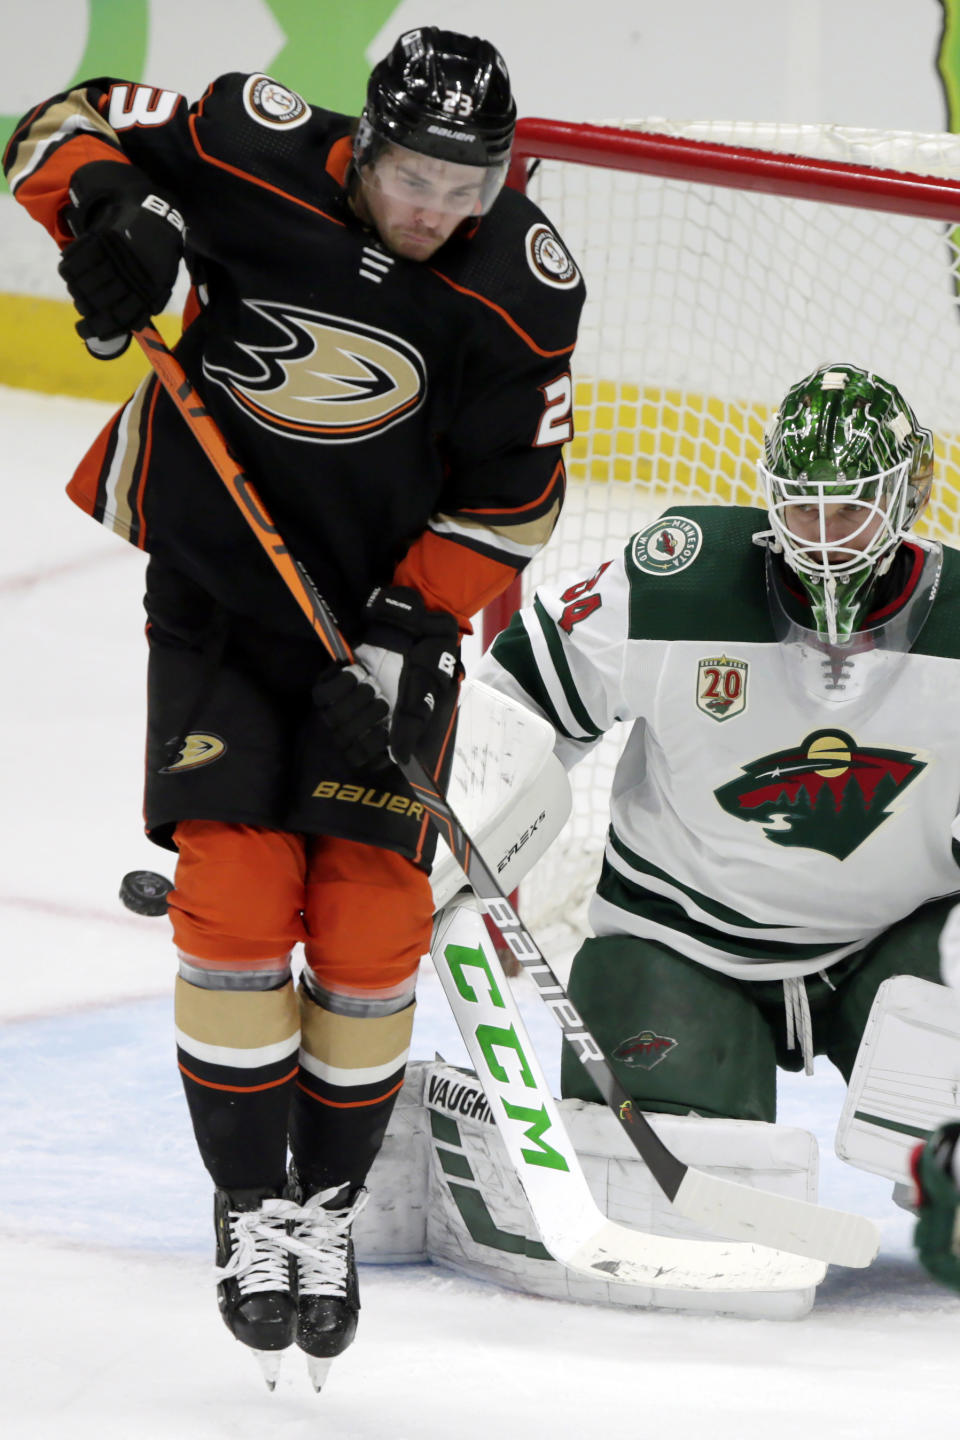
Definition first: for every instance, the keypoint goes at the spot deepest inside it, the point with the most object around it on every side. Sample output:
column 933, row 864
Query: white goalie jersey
column 778, row 803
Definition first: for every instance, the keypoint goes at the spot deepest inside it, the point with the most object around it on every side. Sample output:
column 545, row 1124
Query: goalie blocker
column 506, row 787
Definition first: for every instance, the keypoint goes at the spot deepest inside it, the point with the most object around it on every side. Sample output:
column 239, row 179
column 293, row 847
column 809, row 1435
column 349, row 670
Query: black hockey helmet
column 441, row 94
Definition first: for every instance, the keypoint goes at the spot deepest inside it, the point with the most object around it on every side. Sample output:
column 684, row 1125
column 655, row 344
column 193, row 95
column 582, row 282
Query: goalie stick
column 571, row 1225
column 717, row 1205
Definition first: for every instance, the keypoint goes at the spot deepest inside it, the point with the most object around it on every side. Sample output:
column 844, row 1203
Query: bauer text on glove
column 121, row 268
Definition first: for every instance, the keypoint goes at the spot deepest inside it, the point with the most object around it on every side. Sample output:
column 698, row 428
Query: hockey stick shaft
column 708, row 1202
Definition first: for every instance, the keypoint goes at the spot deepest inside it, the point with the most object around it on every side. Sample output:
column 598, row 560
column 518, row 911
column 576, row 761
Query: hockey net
column 723, row 262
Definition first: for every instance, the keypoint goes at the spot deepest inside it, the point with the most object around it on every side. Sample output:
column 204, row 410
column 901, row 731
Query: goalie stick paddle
column 720, row 1206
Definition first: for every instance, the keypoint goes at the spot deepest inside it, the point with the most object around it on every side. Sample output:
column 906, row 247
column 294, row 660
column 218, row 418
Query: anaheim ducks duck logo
column 325, row 378
column 829, row 794
column 196, row 750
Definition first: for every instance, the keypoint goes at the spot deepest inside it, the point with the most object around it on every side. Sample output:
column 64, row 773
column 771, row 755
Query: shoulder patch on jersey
column 548, row 258
column 273, row 105
column 667, row 546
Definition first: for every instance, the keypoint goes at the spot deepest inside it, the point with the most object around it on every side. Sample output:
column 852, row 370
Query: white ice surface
column 108, row 1326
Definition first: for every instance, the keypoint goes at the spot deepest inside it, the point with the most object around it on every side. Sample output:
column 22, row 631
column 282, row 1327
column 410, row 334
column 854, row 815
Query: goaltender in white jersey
column 778, row 803
column 783, row 819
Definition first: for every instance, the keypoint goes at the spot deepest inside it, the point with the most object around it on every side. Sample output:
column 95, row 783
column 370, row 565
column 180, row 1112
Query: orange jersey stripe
column 253, row 180
column 530, row 505
column 144, row 464
column 505, row 315
column 83, row 488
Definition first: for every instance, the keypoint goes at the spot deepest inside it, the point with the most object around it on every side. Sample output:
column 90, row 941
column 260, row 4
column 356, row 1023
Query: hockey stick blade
column 667, row 1170
column 571, row 1225
column 836, row 1236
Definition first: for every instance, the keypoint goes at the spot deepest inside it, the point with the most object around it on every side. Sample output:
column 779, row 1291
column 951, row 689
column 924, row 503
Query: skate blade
column 269, row 1362
column 318, row 1370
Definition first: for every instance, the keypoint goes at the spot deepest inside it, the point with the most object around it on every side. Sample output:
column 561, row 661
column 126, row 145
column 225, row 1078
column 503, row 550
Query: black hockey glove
column 355, row 713
column 413, row 656
column 121, row 268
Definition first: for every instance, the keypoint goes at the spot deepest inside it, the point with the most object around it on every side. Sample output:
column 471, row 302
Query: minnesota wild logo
column 829, row 794
column 668, row 545
column 644, row 1050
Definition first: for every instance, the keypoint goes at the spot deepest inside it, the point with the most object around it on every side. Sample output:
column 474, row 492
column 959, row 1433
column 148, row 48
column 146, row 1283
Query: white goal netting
column 705, row 303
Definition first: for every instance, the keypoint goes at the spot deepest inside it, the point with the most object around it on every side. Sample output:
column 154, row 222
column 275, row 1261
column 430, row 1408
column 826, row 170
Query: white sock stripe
column 236, row 1059
column 363, row 1075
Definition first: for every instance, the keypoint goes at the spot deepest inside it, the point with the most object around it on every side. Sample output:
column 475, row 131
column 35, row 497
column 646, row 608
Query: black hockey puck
column 145, row 892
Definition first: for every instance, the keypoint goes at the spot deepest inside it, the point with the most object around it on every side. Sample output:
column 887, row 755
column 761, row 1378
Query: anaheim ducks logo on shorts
column 323, row 377
column 828, row 794
column 196, row 750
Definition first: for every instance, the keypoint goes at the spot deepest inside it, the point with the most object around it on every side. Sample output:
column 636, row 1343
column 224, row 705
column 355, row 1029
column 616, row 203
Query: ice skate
column 255, row 1274
column 327, row 1293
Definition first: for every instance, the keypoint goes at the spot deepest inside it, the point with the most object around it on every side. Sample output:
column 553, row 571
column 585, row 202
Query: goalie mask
column 847, row 470
column 446, row 96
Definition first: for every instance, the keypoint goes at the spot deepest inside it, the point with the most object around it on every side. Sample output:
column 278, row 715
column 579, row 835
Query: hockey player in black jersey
column 383, row 334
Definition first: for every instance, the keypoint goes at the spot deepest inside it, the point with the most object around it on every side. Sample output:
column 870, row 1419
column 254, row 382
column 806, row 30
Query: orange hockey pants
column 244, row 896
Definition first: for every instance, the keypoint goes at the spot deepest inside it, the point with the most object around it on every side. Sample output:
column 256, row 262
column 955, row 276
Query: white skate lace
column 260, row 1244
column 319, row 1238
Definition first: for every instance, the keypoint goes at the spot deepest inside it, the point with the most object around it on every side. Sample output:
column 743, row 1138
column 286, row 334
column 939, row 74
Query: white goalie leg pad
column 906, row 1078
column 480, row 1223
column 443, row 1188
column 507, row 788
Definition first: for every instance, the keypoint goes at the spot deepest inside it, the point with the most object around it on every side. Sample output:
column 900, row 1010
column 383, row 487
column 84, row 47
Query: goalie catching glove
column 121, row 268
column 389, row 705
column 936, row 1174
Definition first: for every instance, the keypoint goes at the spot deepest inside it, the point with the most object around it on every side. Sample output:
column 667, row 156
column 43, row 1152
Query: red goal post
column 723, row 262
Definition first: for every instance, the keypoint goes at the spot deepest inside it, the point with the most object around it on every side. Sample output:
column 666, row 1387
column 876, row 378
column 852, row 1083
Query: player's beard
column 411, row 243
